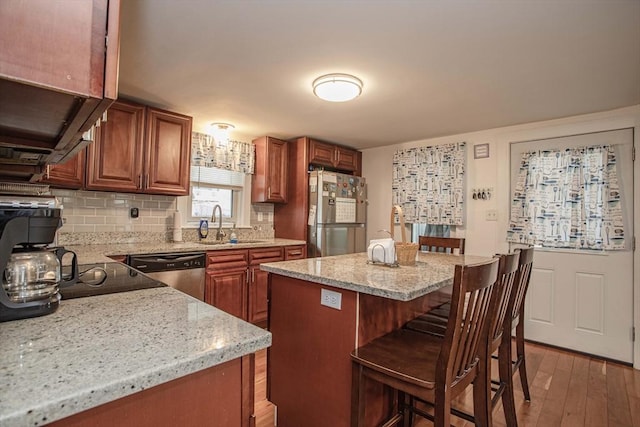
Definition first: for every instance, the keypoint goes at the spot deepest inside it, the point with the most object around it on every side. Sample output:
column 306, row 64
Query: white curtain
column 428, row 183
column 234, row 156
column 568, row 199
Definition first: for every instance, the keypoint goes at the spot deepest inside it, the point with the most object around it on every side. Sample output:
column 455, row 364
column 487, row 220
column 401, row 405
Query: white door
column 576, row 299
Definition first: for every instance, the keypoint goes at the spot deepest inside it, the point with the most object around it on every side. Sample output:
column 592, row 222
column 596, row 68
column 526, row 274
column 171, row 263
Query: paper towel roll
column 177, row 227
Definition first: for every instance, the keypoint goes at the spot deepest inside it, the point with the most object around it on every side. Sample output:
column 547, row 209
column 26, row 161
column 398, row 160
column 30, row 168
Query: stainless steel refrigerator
column 337, row 214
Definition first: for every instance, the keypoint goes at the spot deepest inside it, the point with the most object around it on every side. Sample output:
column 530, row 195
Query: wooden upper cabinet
column 69, row 174
column 58, row 72
column 321, row 153
column 333, row 156
column 140, row 150
column 168, row 149
column 346, row 159
column 269, row 181
column 114, row 160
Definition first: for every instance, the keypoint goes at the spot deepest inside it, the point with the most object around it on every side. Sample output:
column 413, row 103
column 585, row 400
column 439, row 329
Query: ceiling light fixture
column 221, row 132
column 337, row 87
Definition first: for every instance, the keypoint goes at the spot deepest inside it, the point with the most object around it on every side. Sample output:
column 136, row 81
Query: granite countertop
column 431, row 272
column 95, row 350
column 90, row 254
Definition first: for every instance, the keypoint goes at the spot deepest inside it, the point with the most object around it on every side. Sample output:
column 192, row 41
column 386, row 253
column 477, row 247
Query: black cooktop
column 107, row 278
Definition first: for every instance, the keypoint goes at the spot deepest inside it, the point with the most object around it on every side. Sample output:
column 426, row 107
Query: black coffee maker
column 30, row 272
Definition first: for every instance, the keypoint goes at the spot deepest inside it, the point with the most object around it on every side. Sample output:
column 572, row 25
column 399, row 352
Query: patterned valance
column 234, row 156
column 428, row 183
column 568, row 199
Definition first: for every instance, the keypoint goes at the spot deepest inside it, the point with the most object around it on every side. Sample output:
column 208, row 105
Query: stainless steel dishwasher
column 182, row 271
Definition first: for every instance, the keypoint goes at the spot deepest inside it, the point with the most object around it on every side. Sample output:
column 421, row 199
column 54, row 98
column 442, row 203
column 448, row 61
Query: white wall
column 488, row 237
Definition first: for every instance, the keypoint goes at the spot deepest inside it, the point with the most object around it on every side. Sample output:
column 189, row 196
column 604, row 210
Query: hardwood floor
column 263, row 408
column 567, row 389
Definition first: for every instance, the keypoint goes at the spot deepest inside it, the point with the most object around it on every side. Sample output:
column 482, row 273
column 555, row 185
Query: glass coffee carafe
column 35, row 274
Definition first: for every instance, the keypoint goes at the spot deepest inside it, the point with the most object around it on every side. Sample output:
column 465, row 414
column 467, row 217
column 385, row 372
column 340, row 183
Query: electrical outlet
column 491, row 215
column 331, row 299
column 260, row 217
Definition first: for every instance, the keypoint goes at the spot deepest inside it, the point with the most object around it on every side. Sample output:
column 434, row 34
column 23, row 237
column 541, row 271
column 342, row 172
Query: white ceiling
column 430, row 68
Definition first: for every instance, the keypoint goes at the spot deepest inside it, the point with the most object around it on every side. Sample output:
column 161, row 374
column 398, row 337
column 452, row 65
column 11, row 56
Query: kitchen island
column 146, row 357
column 315, row 331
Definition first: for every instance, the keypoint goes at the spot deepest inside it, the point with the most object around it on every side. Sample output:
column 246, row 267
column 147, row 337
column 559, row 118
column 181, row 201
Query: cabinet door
column 346, row 159
column 168, row 151
column 114, row 160
column 53, row 44
column 269, row 182
column 258, row 281
column 67, row 175
column 321, row 153
column 277, row 165
column 227, row 290
column 258, row 304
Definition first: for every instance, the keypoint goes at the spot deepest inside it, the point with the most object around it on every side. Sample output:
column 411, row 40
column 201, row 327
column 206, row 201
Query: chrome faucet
column 220, row 235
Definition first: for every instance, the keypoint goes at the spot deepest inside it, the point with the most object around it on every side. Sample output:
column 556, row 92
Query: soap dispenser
column 233, row 238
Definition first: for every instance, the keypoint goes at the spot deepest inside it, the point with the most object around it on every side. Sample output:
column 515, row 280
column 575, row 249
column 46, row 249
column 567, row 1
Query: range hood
column 54, row 88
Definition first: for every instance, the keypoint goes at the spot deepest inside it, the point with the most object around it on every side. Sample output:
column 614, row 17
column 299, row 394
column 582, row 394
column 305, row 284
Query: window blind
column 216, row 176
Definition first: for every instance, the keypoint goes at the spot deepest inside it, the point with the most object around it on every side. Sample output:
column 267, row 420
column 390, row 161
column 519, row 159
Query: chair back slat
column 467, row 322
column 507, row 272
column 523, row 276
column 441, row 244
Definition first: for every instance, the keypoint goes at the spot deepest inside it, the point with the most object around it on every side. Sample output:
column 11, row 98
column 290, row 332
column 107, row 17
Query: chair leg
column 403, row 409
column 521, row 357
column 482, row 407
column 357, row 395
column 442, row 411
column 506, row 377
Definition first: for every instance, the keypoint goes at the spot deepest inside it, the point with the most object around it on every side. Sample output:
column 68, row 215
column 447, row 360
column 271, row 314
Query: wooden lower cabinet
column 235, row 283
column 258, row 303
column 227, row 290
column 220, row 396
column 295, row 252
column 226, row 281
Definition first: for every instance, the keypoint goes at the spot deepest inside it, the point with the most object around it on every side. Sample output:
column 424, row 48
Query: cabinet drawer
column 226, row 260
column 258, row 256
column 295, row 252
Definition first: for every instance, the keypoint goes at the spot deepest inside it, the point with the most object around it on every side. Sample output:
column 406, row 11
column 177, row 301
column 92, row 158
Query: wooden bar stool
column 516, row 309
column 441, row 244
column 433, row 369
column 516, row 270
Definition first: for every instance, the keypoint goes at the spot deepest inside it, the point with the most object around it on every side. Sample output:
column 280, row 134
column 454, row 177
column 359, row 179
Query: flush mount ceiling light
column 337, row 87
column 221, row 132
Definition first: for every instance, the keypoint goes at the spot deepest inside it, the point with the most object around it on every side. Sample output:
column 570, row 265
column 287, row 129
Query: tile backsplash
column 94, row 217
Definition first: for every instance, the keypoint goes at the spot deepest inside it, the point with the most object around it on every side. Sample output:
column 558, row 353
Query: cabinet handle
column 337, row 157
column 46, row 173
column 253, row 275
column 269, row 192
column 295, row 253
column 146, row 181
column 247, row 277
column 140, row 181
column 104, row 116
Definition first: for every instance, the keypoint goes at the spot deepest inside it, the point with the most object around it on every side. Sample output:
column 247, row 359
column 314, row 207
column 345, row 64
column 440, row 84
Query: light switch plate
column 331, row 299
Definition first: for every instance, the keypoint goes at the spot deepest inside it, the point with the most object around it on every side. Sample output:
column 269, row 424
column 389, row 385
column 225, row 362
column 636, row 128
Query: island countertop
column 431, row 272
column 98, row 349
